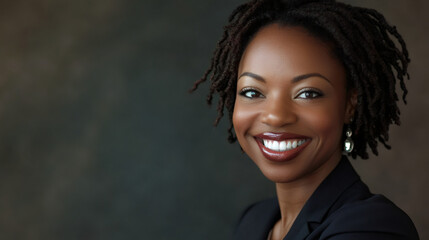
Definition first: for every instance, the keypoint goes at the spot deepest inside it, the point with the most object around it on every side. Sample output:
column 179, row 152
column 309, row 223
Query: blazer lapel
column 316, row 209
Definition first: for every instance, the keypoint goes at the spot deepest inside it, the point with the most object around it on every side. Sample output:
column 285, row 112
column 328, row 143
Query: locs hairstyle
column 372, row 52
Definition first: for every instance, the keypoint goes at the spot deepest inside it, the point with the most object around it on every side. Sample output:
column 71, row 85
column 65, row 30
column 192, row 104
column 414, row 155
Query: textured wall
column 99, row 138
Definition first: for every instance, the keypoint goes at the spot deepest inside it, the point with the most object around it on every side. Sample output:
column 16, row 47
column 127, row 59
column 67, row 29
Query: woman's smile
column 281, row 146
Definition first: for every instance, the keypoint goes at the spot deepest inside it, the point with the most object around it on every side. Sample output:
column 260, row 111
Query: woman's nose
column 279, row 112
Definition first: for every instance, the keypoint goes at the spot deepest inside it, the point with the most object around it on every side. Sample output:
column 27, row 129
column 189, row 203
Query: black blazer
column 341, row 208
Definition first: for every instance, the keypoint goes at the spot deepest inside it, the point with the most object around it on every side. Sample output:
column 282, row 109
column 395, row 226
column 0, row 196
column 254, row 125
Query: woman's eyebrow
column 309, row 75
column 294, row 80
column 252, row 75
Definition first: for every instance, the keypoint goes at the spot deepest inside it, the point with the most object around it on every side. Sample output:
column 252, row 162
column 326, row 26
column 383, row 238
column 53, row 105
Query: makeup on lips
column 281, row 147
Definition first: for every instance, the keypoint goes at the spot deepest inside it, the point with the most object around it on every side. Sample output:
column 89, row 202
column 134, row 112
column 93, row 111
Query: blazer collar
column 317, row 207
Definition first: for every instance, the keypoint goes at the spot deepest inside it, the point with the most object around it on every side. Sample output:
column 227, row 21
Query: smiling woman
column 302, row 80
column 300, row 98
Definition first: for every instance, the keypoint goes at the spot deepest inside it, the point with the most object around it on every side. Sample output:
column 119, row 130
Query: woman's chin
column 279, row 175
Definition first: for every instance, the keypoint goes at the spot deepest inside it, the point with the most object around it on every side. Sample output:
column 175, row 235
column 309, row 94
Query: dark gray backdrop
column 99, row 138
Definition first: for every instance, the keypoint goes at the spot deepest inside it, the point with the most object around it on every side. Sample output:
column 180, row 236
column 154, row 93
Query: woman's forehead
column 290, row 51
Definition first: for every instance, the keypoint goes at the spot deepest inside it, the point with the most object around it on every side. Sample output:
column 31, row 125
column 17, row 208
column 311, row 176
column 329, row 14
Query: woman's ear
column 351, row 105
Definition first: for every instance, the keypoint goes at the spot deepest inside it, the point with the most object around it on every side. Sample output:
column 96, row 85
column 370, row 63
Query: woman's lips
column 281, row 147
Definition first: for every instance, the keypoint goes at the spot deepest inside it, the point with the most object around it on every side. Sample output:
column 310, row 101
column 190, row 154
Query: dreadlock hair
column 361, row 38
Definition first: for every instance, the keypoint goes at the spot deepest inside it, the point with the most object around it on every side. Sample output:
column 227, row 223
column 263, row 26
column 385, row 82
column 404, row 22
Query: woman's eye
column 309, row 94
column 250, row 93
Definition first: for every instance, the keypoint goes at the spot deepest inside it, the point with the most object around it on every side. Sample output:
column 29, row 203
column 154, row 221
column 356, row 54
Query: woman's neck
column 293, row 195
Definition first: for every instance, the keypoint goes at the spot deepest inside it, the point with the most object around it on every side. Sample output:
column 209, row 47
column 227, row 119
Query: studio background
column 99, row 138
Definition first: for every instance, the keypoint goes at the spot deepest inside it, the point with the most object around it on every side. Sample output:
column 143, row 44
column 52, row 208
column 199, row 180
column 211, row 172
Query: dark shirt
column 341, row 208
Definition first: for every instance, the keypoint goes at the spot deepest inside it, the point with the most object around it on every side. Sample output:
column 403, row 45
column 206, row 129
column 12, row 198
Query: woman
column 305, row 82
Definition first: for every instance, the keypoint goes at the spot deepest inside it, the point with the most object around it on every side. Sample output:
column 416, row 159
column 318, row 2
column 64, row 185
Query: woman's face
column 291, row 104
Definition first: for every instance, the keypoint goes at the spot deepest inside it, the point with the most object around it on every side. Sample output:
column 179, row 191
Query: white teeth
column 275, row 146
column 289, row 145
column 267, row 143
column 294, row 144
column 281, row 146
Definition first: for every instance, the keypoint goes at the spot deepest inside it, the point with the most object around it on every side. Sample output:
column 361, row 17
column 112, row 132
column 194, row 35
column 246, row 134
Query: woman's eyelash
column 309, row 93
column 250, row 93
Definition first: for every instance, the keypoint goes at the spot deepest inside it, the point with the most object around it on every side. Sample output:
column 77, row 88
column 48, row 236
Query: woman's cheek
column 239, row 119
column 243, row 119
column 326, row 122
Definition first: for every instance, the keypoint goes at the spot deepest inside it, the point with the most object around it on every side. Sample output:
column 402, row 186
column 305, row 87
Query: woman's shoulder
column 257, row 220
column 374, row 216
column 260, row 212
column 261, row 207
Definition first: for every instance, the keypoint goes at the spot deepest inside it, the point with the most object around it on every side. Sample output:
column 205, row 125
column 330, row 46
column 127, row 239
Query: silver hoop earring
column 348, row 143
